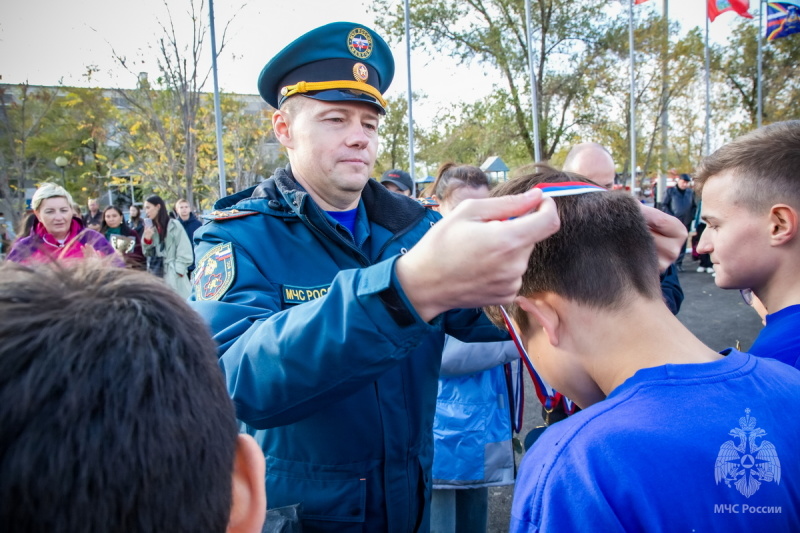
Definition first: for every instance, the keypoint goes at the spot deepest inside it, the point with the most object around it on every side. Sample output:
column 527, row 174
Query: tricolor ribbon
column 548, row 396
column 568, row 188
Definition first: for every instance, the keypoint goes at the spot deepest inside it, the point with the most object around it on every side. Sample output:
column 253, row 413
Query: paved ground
column 719, row 318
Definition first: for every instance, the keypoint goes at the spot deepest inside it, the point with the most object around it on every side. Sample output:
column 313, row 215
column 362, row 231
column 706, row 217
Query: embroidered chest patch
column 215, row 273
column 299, row 295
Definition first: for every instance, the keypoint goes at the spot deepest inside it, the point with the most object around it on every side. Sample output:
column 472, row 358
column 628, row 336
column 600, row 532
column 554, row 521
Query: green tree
column 605, row 108
column 469, row 133
column 394, row 135
column 152, row 134
column 88, row 129
column 492, row 33
column 28, row 118
column 251, row 151
column 167, row 120
column 738, row 68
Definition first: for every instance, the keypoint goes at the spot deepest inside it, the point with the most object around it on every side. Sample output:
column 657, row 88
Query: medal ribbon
column 568, row 188
column 548, row 396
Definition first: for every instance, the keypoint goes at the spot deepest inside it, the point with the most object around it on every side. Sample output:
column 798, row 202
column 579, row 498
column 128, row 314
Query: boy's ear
column 249, row 506
column 783, row 224
column 541, row 312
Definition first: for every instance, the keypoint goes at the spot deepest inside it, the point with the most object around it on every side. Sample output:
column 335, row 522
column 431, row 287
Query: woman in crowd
column 166, row 247
column 136, row 222
column 55, row 233
column 123, row 239
column 472, row 428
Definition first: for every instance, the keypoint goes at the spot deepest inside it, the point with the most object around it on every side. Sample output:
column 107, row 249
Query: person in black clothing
column 114, row 225
column 93, row 219
column 189, row 221
column 135, row 220
column 680, row 203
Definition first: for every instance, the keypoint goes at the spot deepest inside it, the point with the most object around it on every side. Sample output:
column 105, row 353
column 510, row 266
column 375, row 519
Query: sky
column 45, row 42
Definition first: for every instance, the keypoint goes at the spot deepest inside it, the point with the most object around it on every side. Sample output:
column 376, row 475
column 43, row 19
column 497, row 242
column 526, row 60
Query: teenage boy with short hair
column 672, row 435
column 120, row 422
column 751, row 204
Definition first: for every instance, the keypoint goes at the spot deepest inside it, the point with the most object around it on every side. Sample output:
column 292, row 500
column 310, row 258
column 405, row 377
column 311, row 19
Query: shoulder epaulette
column 228, row 214
column 428, row 202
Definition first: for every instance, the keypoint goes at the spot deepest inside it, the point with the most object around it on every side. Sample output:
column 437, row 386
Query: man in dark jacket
column 329, row 306
column 189, row 222
column 93, row 219
column 398, row 181
column 330, row 296
column 680, row 203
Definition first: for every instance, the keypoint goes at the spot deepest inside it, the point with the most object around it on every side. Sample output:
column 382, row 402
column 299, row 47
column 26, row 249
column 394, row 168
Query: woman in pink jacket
column 57, row 234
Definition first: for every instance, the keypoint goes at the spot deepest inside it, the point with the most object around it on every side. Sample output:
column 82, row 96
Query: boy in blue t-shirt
column 751, row 203
column 672, row 436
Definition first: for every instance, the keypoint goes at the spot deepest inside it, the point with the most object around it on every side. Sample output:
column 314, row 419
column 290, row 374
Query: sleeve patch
column 215, row 273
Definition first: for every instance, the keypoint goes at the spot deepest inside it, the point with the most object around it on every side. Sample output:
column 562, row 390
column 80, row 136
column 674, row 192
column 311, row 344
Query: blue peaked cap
column 340, row 61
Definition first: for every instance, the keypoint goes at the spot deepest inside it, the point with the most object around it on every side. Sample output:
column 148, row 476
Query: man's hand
column 477, row 255
column 668, row 232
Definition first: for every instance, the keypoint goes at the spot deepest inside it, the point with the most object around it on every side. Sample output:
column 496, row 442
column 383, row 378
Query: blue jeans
column 460, row 511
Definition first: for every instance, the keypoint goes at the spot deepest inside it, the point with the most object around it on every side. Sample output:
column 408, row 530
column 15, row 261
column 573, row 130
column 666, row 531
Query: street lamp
column 62, row 163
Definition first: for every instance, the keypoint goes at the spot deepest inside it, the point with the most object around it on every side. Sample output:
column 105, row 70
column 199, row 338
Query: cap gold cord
column 306, row 86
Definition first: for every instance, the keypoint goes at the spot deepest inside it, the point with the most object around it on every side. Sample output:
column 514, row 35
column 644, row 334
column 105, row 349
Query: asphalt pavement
column 717, row 317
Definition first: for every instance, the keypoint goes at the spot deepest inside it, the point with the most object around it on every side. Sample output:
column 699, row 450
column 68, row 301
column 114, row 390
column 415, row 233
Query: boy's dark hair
column 452, row 176
column 765, row 163
column 114, row 415
column 602, row 253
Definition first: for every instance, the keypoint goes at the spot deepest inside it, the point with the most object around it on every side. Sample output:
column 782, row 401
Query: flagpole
column 708, row 91
column 662, row 179
column 633, row 99
column 410, row 111
column 217, row 112
column 537, row 151
column 759, row 37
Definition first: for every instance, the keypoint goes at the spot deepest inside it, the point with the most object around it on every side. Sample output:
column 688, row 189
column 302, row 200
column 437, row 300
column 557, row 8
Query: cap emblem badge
column 360, row 72
column 359, row 42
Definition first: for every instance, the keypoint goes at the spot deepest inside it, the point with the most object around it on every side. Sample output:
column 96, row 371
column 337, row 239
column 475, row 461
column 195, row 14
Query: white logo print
column 748, row 463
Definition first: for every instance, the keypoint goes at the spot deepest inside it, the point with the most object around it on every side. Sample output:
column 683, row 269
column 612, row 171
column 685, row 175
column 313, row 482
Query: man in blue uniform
column 330, row 325
column 640, row 456
column 330, row 296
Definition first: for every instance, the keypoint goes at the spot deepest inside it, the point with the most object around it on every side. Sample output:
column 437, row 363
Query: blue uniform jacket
column 325, row 359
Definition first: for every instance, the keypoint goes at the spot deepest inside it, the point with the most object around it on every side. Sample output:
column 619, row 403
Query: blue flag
column 783, row 18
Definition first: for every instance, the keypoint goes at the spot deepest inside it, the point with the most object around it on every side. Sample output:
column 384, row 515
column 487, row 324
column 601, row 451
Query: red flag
column 639, row 1
column 717, row 7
